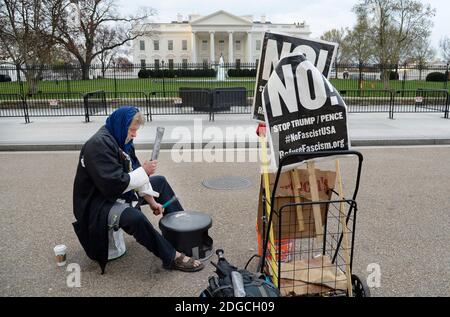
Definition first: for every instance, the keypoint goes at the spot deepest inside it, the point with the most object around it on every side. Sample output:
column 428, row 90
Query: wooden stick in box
column 344, row 231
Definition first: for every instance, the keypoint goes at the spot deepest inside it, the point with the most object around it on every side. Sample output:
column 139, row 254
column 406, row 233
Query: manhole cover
column 227, row 182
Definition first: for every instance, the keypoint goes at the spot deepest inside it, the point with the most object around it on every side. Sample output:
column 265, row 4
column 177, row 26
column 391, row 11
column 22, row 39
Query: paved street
column 403, row 224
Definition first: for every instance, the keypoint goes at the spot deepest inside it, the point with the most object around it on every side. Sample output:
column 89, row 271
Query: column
column 194, row 47
column 230, row 47
column 249, row 47
column 213, row 53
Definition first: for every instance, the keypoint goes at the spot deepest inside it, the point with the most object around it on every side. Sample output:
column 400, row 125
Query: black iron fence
column 397, row 101
column 174, row 89
column 166, row 78
column 187, row 100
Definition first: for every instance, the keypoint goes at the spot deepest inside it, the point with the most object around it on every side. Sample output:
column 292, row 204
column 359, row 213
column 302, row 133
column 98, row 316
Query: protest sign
column 303, row 111
column 275, row 47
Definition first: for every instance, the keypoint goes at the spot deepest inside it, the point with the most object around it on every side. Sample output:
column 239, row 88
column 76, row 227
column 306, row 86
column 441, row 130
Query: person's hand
column 157, row 208
column 150, row 167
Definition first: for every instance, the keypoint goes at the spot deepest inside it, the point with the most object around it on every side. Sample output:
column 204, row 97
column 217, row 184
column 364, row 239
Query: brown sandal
column 188, row 266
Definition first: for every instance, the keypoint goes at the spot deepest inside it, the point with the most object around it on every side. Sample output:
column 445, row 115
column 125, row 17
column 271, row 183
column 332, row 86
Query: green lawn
column 171, row 85
column 343, row 84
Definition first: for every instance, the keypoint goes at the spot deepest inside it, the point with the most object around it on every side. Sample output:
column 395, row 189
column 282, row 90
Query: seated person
column 111, row 185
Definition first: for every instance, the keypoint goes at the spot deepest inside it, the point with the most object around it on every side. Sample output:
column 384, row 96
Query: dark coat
column 101, row 178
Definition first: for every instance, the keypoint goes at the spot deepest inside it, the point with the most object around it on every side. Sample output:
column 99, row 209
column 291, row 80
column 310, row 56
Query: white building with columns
column 203, row 39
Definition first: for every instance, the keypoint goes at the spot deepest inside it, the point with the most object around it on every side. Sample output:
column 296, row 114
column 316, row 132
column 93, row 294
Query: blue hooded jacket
column 118, row 123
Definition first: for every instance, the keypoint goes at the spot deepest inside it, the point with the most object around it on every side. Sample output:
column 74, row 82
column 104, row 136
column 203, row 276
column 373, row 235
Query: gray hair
column 139, row 118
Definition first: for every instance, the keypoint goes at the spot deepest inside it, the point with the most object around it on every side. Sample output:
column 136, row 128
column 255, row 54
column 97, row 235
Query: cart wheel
column 360, row 288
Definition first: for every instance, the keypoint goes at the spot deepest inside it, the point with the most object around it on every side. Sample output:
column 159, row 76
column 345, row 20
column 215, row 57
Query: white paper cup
column 60, row 254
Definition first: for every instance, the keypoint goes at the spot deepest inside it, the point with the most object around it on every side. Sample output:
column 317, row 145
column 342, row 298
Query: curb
column 212, row 145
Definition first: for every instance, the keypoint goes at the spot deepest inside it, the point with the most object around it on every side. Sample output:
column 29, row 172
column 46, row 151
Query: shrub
column 143, row 73
column 242, row 72
column 393, row 75
column 172, row 73
column 436, row 77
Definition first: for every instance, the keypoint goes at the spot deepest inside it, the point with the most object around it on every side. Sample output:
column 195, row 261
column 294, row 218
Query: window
column 170, row 45
column 156, row 63
column 205, row 63
column 184, row 45
column 184, row 63
column 238, row 63
column 257, row 62
column 221, row 45
column 258, row 45
column 156, row 45
column 238, row 45
column 142, row 63
column 170, row 63
column 204, row 45
column 142, row 45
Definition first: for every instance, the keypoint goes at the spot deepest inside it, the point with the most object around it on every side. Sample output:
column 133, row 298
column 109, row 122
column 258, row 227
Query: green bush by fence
column 172, row 73
column 242, row 72
column 437, row 77
column 393, row 75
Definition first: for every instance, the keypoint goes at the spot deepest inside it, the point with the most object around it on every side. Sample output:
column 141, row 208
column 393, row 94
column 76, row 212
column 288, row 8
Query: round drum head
column 187, row 231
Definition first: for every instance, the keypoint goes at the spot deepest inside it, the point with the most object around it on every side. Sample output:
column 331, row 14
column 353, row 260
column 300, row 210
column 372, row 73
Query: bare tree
column 421, row 54
column 24, row 37
column 444, row 45
column 396, row 25
column 124, row 64
column 82, row 23
column 359, row 42
column 106, row 57
column 338, row 36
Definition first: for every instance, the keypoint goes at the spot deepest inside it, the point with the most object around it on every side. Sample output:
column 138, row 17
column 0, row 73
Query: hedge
column 242, row 72
column 172, row 73
column 393, row 75
column 436, row 77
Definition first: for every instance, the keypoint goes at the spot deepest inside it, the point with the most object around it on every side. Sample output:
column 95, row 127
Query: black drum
column 187, row 231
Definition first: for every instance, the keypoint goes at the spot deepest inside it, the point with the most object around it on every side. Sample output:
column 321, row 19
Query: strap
column 263, row 291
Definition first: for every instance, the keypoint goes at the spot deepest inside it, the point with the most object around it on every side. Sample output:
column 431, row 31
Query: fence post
column 446, row 106
column 148, row 108
column 86, row 108
column 336, row 67
column 391, row 104
column 22, row 93
column 67, row 79
column 446, row 78
column 404, row 80
column 360, row 80
column 25, row 109
column 164, row 86
column 115, row 81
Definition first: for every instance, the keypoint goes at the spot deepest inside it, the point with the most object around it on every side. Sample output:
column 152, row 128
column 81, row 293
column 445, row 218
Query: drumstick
column 171, row 200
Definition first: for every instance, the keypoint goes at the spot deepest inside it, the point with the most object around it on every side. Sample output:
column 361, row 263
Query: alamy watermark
column 214, row 144
column 74, row 277
column 374, row 277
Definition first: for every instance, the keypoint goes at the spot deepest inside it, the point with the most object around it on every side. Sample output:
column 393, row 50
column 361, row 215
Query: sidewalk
column 229, row 131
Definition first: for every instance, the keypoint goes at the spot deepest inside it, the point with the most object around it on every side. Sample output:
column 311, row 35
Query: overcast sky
column 321, row 15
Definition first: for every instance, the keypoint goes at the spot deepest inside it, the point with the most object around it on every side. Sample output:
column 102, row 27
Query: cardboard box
column 290, row 228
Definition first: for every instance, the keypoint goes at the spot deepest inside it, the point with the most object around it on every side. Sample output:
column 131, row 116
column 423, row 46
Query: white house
column 203, row 39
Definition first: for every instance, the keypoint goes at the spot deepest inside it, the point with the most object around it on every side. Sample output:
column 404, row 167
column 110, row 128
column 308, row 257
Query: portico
column 226, row 34
column 231, row 45
column 203, row 39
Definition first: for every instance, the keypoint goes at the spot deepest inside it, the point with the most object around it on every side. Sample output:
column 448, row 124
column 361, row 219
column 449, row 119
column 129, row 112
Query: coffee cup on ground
column 60, row 254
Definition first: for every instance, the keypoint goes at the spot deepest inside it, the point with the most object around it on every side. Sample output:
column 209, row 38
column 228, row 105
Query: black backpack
column 255, row 284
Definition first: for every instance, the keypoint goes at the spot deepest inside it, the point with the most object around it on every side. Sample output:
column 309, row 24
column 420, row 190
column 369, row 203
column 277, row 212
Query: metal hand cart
column 310, row 261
